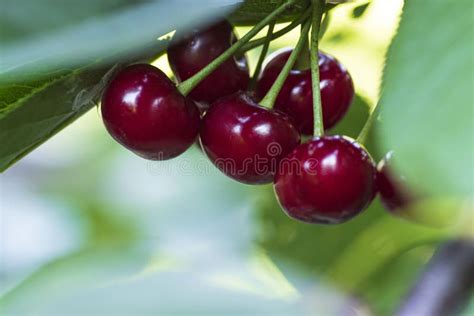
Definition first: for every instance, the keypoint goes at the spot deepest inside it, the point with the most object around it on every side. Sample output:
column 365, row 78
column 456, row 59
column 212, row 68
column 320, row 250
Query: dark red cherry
column 245, row 140
column 329, row 180
column 392, row 186
column 143, row 111
column 190, row 53
column 296, row 99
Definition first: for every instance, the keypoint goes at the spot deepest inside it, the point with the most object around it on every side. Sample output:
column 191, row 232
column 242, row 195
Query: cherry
column 330, row 179
column 245, row 140
column 295, row 98
column 189, row 54
column 143, row 110
column 392, row 187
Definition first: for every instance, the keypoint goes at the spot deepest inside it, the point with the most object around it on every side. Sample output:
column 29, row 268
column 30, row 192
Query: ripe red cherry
column 143, row 111
column 295, row 98
column 391, row 186
column 189, row 54
column 327, row 180
column 245, row 140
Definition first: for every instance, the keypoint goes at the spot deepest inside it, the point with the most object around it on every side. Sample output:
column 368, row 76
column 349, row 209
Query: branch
column 446, row 285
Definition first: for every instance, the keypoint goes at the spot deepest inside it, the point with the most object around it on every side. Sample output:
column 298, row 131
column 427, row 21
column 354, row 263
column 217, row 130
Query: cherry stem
column 260, row 41
column 263, row 53
column 304, row 59
column 269, row 100
column 187, row 86
column 318, row 9
column 364, row 133
column 324, row 24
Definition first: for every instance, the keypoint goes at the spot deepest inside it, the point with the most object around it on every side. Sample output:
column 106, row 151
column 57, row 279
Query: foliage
column 186, row 251
column 427, row 98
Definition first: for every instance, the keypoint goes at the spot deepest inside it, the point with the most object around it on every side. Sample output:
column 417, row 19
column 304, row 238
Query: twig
column 446, row 285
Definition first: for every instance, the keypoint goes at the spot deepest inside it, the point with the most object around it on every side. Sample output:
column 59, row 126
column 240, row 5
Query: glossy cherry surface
column 296, row 98
column 190, row 53
column 246, row 141
column 143, row 111
column 330, row 179
column 392, row 187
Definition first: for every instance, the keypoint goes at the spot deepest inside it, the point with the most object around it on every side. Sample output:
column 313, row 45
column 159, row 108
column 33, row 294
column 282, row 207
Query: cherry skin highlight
column 296, row 98
column 143, row 110
column 245, row 140
column 189, row 54
column 392, row 187
column 328, row 180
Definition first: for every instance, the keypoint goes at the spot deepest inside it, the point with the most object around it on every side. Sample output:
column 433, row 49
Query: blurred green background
column 89, row 228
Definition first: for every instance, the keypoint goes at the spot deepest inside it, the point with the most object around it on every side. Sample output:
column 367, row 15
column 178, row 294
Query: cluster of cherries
column 328, row 179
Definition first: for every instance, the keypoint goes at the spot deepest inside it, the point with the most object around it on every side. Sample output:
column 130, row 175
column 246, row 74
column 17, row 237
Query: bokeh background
column 87, row 227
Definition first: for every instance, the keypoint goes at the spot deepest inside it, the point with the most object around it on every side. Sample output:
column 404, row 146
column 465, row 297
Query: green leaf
column 353, row 255
column 54, row 58
column 63, row 38
column 18, row 23
column 154, row 252
column 427, row 114
column 252, row 11
column 55, row 61
column 470, row 309
column 32, row 112
column 391, row 283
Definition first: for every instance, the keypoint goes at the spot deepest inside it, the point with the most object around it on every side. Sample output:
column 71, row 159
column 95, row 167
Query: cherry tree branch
column 446, row 285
